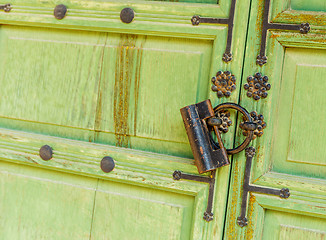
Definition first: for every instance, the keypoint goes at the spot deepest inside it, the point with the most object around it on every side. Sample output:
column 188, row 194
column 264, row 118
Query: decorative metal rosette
column 257, row 86
column 304, row 28
column 227, row 57
column 195, row 20
column 261, row 60
column 258, row 119
column 224, row 115
column 224, row 83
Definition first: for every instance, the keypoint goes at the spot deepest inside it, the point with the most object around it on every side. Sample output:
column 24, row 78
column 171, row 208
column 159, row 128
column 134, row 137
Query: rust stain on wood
column 251, row 223
column 259, row 19
column 232, row 231
column 123, row 75
column 137, row 81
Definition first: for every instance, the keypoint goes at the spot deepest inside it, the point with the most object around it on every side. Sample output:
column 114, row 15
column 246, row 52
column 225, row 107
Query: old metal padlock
column 208, row 154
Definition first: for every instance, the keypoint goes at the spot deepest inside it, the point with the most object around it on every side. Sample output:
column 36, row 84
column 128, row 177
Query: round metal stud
column 46, row 152
column 60, row 11
column 107, row 164
column 127, row 15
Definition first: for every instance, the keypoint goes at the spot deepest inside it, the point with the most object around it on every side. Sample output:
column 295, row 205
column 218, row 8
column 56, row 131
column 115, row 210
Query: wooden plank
column 133, row 166
column 48, row 77
column 138, row 213
column 292, row 226
column 42, row 204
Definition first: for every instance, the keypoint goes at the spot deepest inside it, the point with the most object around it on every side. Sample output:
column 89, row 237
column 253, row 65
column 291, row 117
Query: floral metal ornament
column 224, row 84
column 257, row 86
column 224, row 116
column 304, row 28
column 258, row 119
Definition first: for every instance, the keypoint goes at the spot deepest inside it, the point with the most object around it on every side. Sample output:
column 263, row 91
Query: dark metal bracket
column 196, row 20
column 208, row 214
column 6, row 7
column 283, row 193
column 303, row 28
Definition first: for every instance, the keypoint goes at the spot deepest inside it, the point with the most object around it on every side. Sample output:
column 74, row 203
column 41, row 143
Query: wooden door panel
column 292, row 226
column 139, row 188
column 298, row 140
column 289, row 154
column 190, row 1
column 45, row 75
column 307, row 5
column 145, row 81
column 43, row 204
column 157, row 214
column 119, row 84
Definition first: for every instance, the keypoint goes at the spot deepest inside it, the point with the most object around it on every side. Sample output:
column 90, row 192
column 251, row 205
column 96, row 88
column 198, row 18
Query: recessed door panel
column 40, row 204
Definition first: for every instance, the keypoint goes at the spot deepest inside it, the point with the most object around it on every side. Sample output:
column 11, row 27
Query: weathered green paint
column 91, row 86
column 290, row 153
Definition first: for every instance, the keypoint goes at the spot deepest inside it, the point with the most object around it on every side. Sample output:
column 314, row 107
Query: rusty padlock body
column 208, row 156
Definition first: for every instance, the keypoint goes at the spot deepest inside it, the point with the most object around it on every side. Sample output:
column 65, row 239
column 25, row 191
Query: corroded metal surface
column 257, row 86
column 60, row 11
column 302, row 28
column 258, row 120
column 208, row 154
column 242, row 220
column 224, row 84
column 196, row 20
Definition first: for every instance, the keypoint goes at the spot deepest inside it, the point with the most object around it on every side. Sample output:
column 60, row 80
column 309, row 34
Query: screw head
column 46, row 152
column 107, row 164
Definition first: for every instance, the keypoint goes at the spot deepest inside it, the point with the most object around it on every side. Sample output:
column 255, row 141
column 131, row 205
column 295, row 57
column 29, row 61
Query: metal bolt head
column 60, row 11
column 46, row 152
column 127, row 15
column 107, row 164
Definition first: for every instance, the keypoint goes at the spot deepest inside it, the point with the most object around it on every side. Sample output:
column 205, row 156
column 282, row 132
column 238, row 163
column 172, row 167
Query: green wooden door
column 290, row 153
column 91, row 86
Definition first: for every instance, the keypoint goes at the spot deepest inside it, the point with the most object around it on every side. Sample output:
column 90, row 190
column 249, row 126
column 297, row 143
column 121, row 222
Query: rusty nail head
column 107, row 164
column 46, row 152
column 127, row 15
column 60, row 11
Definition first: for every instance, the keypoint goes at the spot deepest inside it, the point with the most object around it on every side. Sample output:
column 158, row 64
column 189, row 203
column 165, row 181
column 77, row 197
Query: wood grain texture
column 314, row 5
column 45, row 75
column 292, row 226
column 42, row 204
column 304, row 180
column 157, row 214
column 139, row 66
column 296, row 139
column 145, row 81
